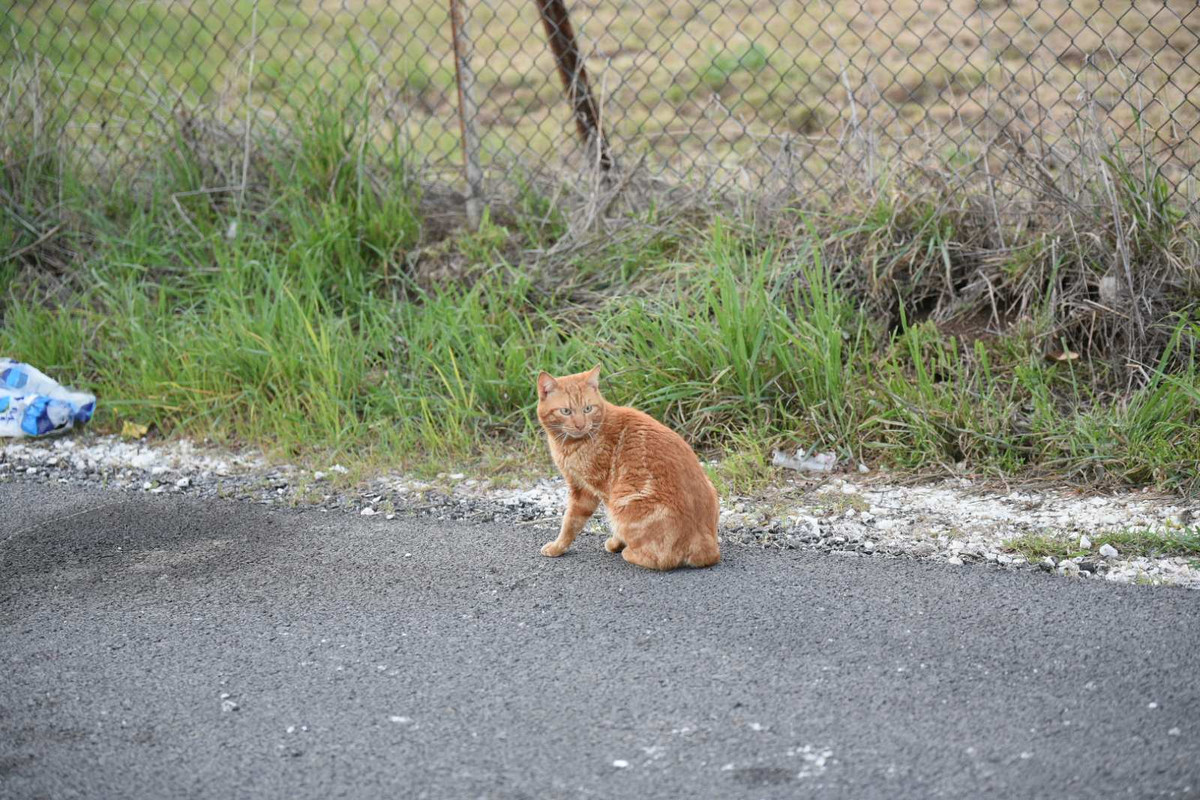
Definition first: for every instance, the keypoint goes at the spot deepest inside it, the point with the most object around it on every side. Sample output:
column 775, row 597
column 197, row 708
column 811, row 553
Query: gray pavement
column 161, row 648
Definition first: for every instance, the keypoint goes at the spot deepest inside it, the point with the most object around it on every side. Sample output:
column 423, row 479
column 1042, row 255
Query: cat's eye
column 566, row 412
column 588, row 409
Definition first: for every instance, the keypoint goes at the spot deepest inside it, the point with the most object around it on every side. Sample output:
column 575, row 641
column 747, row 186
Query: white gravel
column 955, row 521
column 111, row 454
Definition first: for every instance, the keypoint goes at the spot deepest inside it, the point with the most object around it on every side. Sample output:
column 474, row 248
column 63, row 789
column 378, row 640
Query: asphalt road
column 418, row 658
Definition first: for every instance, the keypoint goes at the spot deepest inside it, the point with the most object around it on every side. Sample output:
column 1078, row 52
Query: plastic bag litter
column 33, row 404
column 803, row 462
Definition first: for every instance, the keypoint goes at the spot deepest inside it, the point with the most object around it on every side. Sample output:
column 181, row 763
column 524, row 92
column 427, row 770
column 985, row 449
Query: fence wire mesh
column 740, row 90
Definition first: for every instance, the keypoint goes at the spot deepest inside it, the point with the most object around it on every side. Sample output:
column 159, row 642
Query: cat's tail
column 703, row 549
column 703, row 552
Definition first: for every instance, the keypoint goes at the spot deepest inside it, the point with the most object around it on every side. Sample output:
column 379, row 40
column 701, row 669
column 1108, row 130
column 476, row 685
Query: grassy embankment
column 312, row 298
column 301, row 317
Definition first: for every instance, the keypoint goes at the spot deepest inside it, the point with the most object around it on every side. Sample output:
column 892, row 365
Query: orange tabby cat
column 662, row 507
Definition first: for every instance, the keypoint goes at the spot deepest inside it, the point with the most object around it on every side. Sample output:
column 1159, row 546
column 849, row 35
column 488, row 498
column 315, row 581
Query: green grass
column 744, row 467
column 724, row 64
column 316, row 325
column 1128, row 543
column 834, row 503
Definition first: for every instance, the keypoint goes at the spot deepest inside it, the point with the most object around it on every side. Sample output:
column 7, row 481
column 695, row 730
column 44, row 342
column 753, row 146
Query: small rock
column 339, row 469
column 863, row 468
column 808, row 527
column 147, row 485
column 868, row 546
column 229, row 705
column 390, row 516
column 1068, row 569
column 1174, row 732
column 183, row 483
column 620, row 763
column 1048, row 564
column 456, row 476
column 1108, row 551
column 368, row 512
column 1085, row 542
column 955, row 560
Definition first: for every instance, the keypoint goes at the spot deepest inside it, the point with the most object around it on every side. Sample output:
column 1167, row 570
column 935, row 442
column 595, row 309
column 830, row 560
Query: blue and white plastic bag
column 32, row 404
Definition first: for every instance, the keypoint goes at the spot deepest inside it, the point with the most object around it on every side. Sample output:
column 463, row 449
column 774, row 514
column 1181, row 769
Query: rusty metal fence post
column 464, row 77
column 565, row 47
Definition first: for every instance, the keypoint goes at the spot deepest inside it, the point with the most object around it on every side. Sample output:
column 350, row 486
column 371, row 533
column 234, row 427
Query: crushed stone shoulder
column 954, row 520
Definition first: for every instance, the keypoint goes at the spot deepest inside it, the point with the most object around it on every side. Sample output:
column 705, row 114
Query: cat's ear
column 593, row 377
column 546, row 384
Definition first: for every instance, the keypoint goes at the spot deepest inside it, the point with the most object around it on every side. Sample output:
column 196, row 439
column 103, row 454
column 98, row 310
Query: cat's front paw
column 553, row 549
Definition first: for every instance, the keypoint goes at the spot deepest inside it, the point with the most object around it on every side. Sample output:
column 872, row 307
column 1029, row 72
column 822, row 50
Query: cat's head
column 570, row 406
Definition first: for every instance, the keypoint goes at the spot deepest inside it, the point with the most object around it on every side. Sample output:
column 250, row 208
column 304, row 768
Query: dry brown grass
column 784, row 86
column 748, row 90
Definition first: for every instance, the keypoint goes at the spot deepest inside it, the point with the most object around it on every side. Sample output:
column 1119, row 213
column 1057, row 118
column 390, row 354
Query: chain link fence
column 740, row 90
